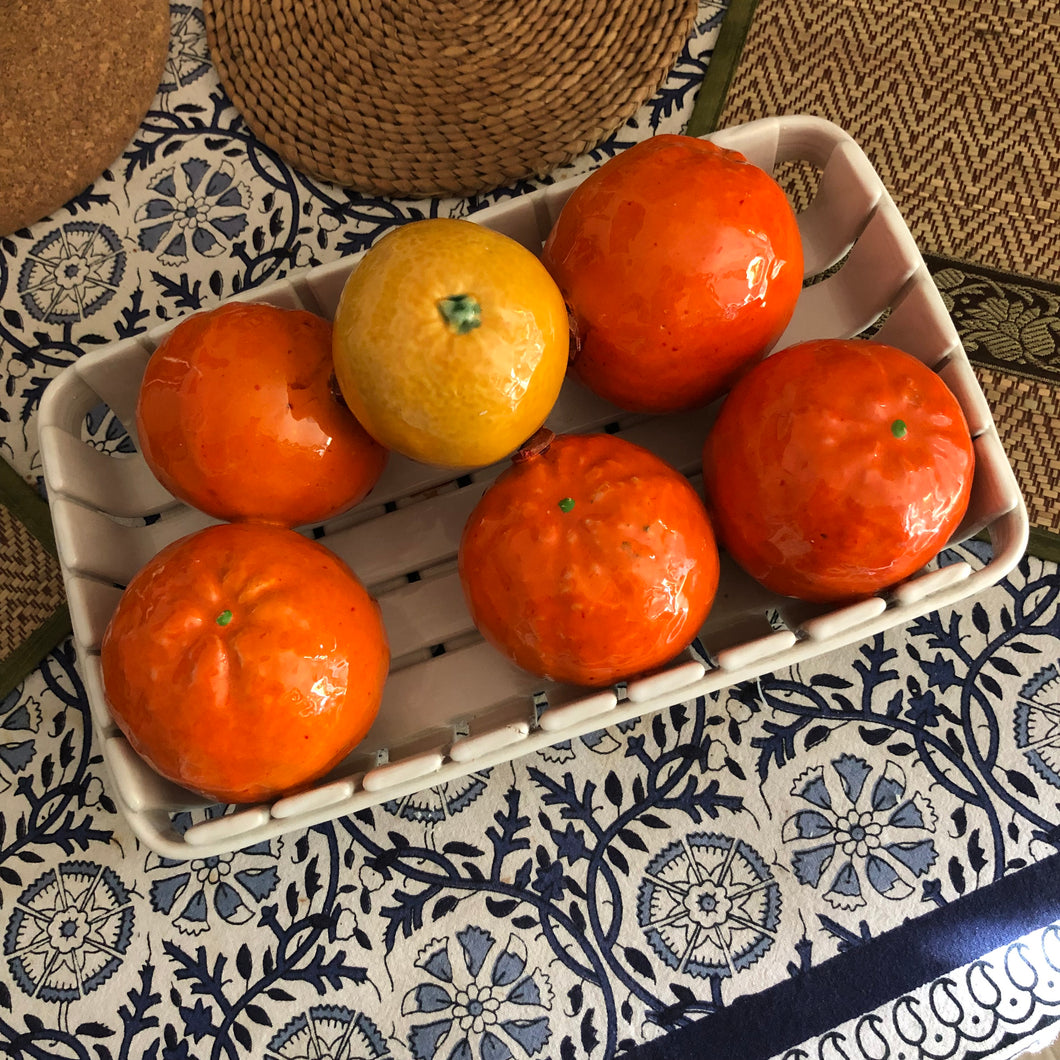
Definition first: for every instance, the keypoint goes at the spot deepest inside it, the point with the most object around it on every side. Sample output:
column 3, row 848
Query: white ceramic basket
column 452, row 704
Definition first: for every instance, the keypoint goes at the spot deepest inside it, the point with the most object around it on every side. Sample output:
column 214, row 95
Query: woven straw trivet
column 955, row 102
column 33, row 614
column 431, row 99
column 76, row 78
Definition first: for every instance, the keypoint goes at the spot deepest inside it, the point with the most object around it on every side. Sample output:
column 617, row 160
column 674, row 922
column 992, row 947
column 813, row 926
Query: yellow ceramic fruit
column 450, row 343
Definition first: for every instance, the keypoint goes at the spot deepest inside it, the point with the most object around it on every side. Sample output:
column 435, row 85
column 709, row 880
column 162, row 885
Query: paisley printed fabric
column 579, row 902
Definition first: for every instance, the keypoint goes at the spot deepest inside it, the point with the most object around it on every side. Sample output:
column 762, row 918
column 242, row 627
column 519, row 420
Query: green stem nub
column 899, row 429
column 224, row 617
column 461, row 313
column 567, row 504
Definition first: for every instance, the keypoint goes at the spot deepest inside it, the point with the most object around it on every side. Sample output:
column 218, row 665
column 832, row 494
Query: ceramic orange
column 837, row 468
column 589, row 560
column 451, row 342
column 244, row 661
column 238, row 417
column 681, row 263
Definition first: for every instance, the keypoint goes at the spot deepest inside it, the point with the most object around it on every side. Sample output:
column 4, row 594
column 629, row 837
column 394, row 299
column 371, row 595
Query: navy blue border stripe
column 870, row 975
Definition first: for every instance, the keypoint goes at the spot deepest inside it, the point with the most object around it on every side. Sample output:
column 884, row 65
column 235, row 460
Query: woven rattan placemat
column 33, row 614
column 433, row 99
column 956, row 104
column 76, row 78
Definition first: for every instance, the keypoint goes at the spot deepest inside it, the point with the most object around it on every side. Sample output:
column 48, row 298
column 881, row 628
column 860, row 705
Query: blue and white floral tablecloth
column 801, row 860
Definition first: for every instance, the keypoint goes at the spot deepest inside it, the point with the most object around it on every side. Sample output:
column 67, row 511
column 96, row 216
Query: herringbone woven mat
column 31, row 586
column 955, row 102
column 1027, row 412
column 33, row 614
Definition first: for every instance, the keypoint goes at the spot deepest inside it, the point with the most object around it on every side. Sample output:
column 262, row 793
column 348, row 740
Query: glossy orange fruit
column 451, row 342
column 837, row 468
column 238, row 417
column 682, row 264
column 244, row 661
column 589, row 560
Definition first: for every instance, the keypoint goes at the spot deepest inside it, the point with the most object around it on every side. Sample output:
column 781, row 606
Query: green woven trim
column 1010, row 328
column 27, row 656
column 19, row 497
column 1007, row 322
column 723, row 62
column 1044, row 544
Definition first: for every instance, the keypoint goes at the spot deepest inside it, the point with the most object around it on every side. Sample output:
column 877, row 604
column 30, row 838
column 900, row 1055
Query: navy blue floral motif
column 442, row 801
column 601, row 742
column 188, row 58
column 105, row 432
column 479, row 1002
column 329, row 1032
column 196, row 206
column 1037, row 723
column 709, row 905
column 20, row 720
column 71, row 272
column 859, row 832
column 199, row 894
column 68, row 931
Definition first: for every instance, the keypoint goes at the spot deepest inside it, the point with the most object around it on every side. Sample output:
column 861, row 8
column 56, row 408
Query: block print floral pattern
column 709, row 905
column 569, row 904
column 68, row 932
column 220, row 889
column 861, row 831
column 189, row 59
column 20, row 720
column 193, row 208
column 478, row 1002
column 1037, row 723
column 441, row 802
column 71, row 272
column 329, row 1032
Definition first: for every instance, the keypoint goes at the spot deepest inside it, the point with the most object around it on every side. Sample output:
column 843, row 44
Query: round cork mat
column 440, row 97
column 78, row 77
